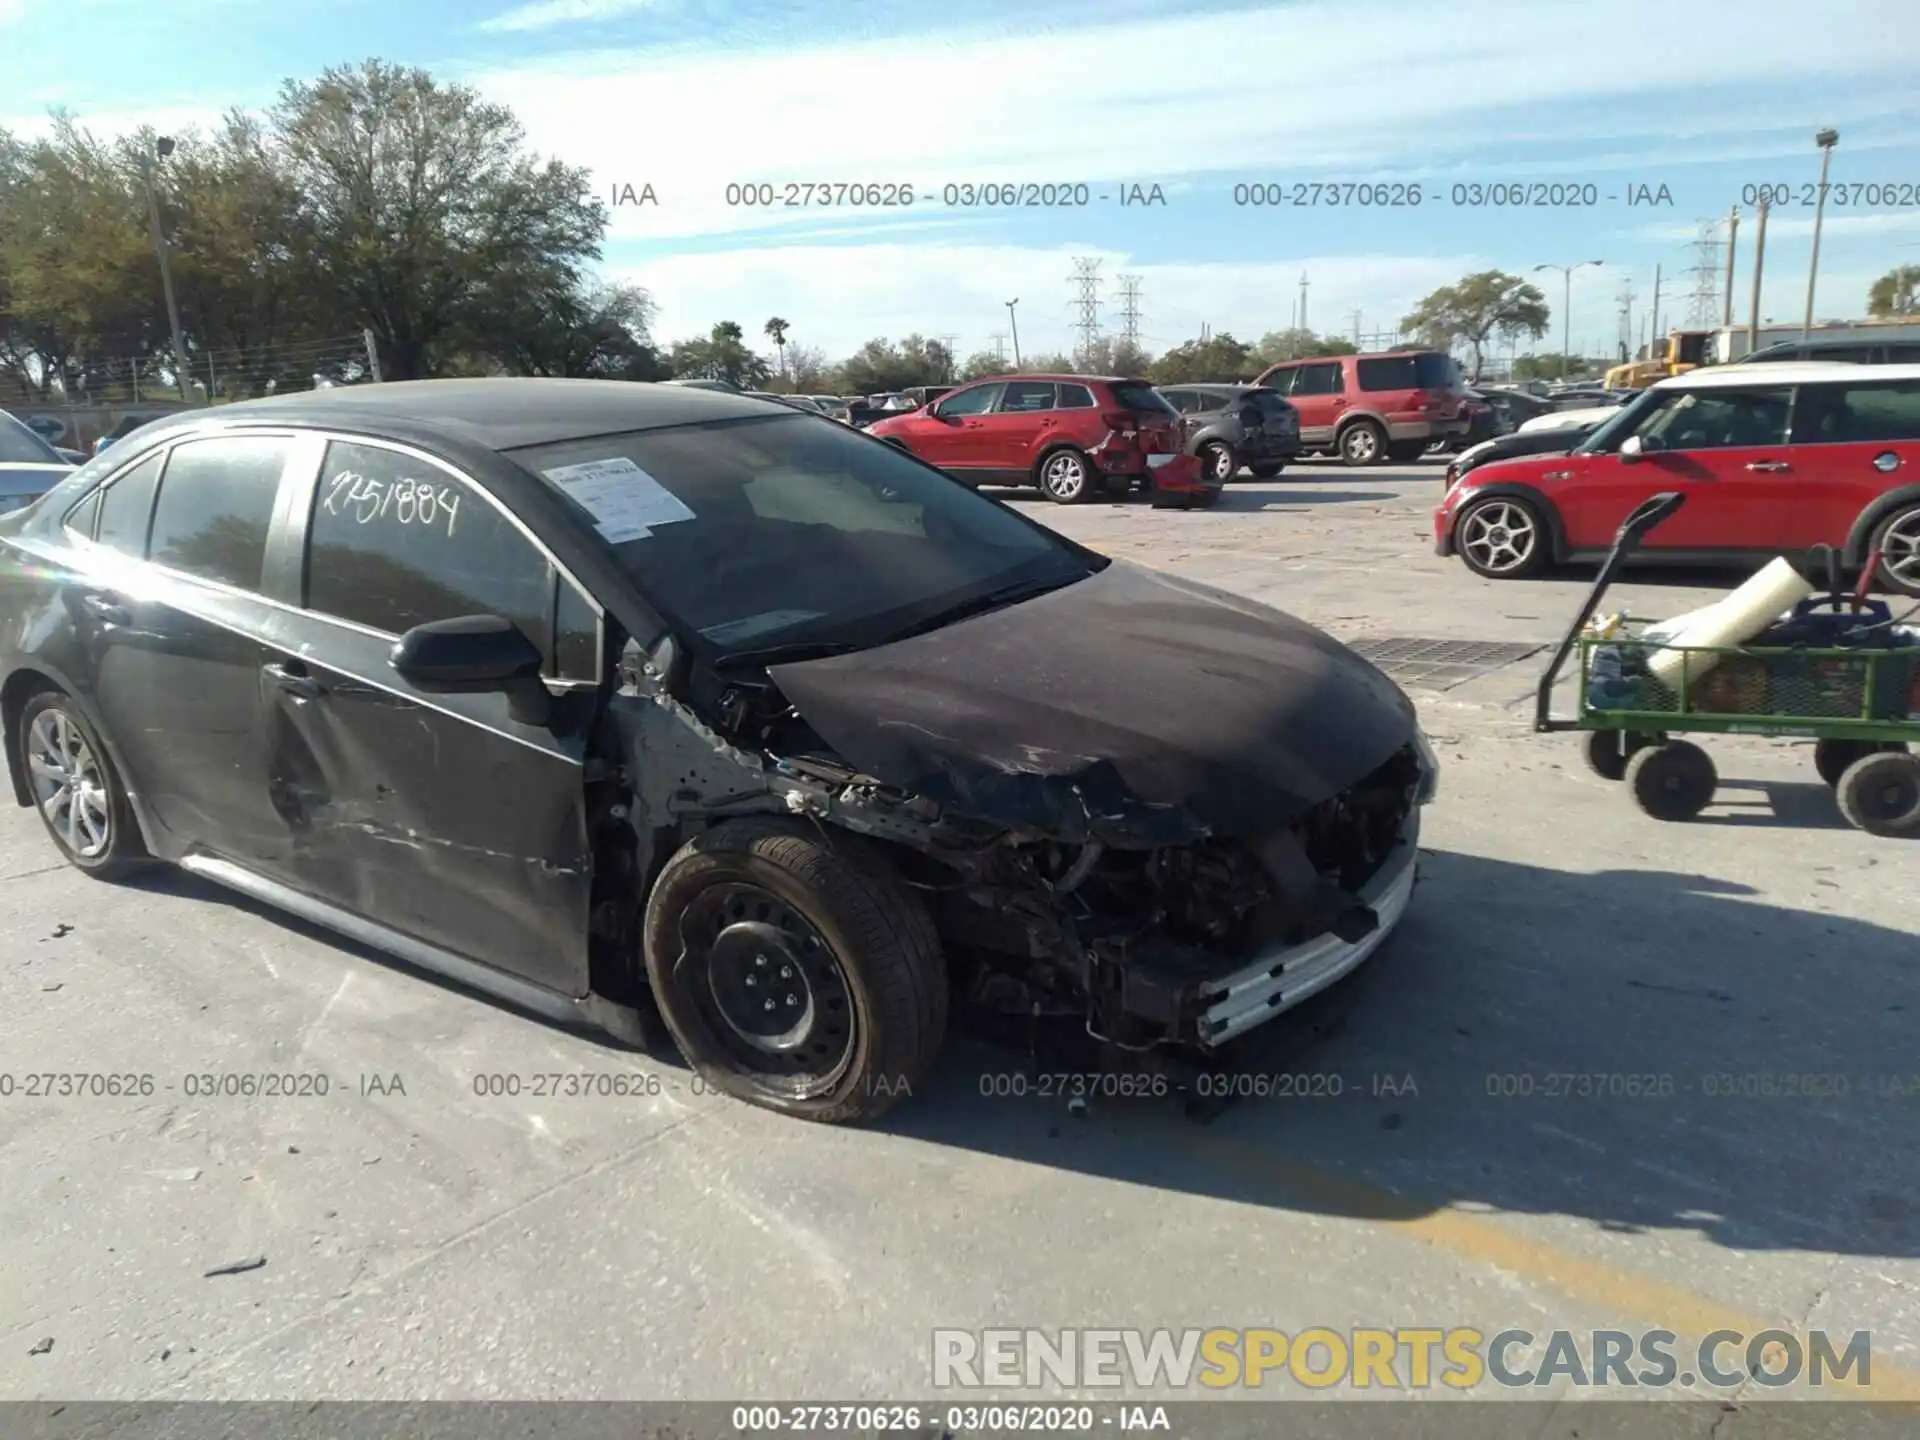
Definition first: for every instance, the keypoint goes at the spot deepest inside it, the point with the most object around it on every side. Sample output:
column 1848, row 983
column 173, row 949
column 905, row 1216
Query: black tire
column 1363, row 443
column 1501, row 537
column 1880, row 794
column 1066, row 476
column 1406, row 452
column 1218, row 460
column 1832, row 757
column 862, row 951
column 95, row 828
column 1267, row 469
column 1672, row 781
column 1897, row 542
column 1608, row 751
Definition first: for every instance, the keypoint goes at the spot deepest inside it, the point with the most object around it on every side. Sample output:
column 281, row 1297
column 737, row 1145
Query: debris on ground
column 237, row 1267
column 41, row 1347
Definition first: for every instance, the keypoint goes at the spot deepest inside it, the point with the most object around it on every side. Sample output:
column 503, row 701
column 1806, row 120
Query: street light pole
column 1826, row 140
column 162, row 148
column 1015, row 323
column 1566, row 308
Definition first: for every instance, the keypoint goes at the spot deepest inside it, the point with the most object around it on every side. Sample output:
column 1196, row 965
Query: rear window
column 1857, row 414
column 19, row 445
column 1142, row 398
column 1422, row 370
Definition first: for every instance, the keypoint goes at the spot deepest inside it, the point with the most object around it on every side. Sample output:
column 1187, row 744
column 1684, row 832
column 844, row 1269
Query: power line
column 1086, row 301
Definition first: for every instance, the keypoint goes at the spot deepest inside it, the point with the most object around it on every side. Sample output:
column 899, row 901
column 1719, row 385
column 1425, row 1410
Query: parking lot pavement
column 1563, row 1096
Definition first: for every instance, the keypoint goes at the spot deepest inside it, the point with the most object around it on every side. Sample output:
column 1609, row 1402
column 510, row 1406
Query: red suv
column 1772, row 459
column 1370, row 408
column 1074, row 436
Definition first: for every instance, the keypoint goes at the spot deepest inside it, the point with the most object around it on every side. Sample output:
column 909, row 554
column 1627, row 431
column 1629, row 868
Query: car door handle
column 1771, row 467
column 976, row 425
column 293, row 678
column 106, row 610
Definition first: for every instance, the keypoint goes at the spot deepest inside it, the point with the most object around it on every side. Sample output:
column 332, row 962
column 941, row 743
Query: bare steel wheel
column 74, row 788
column 1066, row 477
column 1218, row 461
column 1898, row 541
column 1501, row 537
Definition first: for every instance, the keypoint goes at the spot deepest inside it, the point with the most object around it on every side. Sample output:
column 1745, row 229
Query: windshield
column 1620, row 424
column 792, row 530
column 20, row 446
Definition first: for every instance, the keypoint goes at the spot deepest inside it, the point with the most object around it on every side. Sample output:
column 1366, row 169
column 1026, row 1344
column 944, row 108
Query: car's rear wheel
column 795, row 971
column 1066, row 477
column 1267, row 469
column 1217, row 461
column 1363, row 443
column 75, row 791
column 1501, row 537
column 1406, row 452
column 1897, row 542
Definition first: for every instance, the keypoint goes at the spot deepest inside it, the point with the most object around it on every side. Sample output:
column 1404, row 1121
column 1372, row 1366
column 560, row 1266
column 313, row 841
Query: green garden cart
column 1848, row 680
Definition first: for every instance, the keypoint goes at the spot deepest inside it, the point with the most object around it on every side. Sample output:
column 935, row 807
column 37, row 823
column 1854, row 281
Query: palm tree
column 776, row 331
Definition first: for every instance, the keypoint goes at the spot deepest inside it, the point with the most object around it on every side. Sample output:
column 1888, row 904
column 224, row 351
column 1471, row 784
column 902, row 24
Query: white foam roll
column 1732, row 621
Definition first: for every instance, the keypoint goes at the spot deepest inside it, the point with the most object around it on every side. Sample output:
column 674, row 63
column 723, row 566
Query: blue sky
column 1704, row 97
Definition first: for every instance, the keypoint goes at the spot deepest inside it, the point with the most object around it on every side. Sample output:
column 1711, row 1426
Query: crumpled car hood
column 1130, row 707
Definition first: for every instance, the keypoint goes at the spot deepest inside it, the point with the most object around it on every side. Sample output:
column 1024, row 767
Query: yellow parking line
column 1622, row 1293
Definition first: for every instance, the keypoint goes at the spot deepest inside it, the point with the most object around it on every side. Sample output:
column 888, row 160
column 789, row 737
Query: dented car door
column 440, row 815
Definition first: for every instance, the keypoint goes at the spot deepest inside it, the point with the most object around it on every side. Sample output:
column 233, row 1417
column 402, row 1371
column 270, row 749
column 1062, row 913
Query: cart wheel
column 1832, row 757
column 1672, row 781
column 1880, row 794
column 1609, row 750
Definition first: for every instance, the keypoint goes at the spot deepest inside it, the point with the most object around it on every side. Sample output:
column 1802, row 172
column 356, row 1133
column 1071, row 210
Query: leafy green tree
column 1220, row 358
column 808, row 370
column 721, row 355
column 982, row 363
column 881, row 365
column 591, row 331
column 427, row 211
column 1475, row 310
column 1553, row 367
column 1112, row 355
column 1294, row 344
column 776, row 331
column 1895, row 293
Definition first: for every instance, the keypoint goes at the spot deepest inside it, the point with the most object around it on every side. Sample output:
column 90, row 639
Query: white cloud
column 838, row 297
column 1797, row 226
column 544, row 14
column 1021, row 106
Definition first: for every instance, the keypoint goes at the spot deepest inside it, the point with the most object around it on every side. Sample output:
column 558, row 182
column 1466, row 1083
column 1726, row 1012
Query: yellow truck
column 1681, row 351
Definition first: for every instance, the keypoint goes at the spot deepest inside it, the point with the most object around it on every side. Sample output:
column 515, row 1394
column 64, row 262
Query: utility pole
column 1653, row 325
column 947, row 343
column 1303, row 300
column 1014, row 322
column 1759, row 262
column 1826, row 140
column 1086, row 302
column 1627, row 297
column 373, row 355
column 1566, row 308
column 1733, row 235
column 163, row 147
column 1356, row 330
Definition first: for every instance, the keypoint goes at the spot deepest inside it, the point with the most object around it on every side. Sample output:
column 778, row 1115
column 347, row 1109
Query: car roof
column 1063, row 379
column 1780, row 372
column 499, row 414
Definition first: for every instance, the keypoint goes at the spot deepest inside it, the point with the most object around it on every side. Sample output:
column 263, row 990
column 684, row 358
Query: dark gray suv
column 1231, row 426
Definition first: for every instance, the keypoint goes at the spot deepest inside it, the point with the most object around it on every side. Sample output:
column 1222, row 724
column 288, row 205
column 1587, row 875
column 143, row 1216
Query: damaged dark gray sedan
column 631, row 703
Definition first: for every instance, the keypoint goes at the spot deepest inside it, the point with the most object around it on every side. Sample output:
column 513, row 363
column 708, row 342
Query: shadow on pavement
column 1644, row 1050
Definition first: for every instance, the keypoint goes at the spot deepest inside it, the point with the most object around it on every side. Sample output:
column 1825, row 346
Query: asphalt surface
column 421, row 1240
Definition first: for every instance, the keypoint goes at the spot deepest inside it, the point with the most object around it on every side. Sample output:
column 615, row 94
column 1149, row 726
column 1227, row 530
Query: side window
column 1181, row 400
column 1318, row 380
column 576, row 635
column 126, row 509
column 1283, row 381
column 81, row 519
column 974, row 400
column 1720, row 419
column 1075, row 397
column 1026, row 395
column 216, row 506
column 1857, row 414
column 395, row 542
column 1209, row 402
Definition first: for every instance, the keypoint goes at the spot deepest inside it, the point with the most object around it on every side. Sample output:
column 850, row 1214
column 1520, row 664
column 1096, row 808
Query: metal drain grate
column 1440, row 664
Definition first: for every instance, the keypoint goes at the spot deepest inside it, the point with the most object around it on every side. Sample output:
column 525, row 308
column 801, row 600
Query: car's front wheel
column 1066, row 477
column 1363, row 443
column 1267, row 469
column 1501, row 537
column 795, row 970
column 75, row 790
column 1217, row 460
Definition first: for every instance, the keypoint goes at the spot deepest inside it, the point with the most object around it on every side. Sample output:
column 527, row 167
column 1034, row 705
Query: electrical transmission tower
column 1626, row 298
column 947, row 343
column 1000, row 345
column 1086, row 302
column 1130, row 312
column 1703, row 297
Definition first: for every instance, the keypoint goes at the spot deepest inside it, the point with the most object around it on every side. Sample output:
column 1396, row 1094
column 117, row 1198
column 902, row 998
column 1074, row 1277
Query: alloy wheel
column 1500, row 537
column 1361, row 444
column 1900, row 551
column 68, row 784
column 1064, row 476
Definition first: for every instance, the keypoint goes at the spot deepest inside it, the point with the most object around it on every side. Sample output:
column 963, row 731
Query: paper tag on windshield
column 625, row 501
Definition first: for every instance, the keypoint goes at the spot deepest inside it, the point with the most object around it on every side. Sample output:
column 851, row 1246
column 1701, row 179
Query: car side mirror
column 476, row 655
column 1632, row 448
